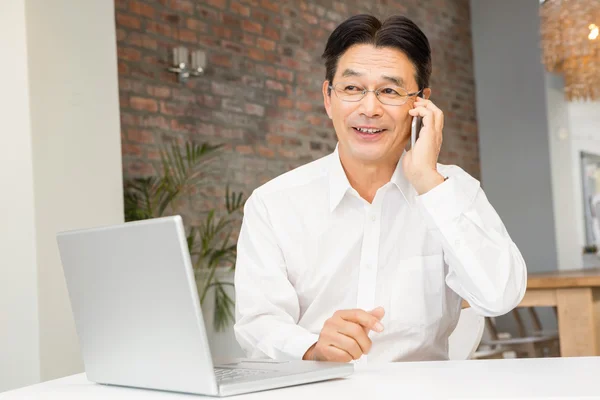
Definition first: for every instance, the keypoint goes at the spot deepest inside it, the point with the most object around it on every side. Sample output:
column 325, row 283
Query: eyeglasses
column 389, row 95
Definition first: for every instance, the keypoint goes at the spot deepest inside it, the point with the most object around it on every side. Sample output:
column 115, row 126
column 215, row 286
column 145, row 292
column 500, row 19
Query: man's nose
column 370, row 105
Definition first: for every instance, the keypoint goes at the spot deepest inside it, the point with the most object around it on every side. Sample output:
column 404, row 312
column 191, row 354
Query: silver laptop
column 139, row 321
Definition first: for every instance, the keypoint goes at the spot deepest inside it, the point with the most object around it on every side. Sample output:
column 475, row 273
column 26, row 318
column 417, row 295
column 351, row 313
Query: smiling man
column 365, row 254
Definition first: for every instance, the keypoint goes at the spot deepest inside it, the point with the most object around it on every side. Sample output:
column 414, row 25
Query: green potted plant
column 184, row 171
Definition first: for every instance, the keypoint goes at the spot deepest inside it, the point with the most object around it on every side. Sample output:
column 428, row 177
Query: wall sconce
column 182, row 66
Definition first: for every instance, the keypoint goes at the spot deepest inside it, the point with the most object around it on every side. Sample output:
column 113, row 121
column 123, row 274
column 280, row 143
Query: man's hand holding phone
column 344, row 336
column 420, row 162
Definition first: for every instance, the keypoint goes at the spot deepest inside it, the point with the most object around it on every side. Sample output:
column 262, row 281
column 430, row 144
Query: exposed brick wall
column 261, row 94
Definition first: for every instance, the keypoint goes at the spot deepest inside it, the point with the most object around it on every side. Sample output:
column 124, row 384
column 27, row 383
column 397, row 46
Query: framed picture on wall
column 590, row 185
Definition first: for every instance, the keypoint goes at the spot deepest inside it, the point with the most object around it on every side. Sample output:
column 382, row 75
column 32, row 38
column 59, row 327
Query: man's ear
column 426, row 93
column 327, row 98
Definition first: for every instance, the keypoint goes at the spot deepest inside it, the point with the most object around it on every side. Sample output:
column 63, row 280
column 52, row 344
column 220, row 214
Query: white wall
column 61, row 151
column 19, row 326
column 76, row 149
column 513, row 125
column 563, row 185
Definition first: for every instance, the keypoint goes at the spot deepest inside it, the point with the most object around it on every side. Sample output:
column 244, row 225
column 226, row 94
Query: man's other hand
column 344, row 336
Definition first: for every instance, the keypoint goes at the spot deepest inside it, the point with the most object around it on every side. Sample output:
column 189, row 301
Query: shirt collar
column 339, row 184
column 338, row 181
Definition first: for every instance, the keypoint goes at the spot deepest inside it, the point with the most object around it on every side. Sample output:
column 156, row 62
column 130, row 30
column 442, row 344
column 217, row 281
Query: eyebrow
column 394, row 79
column 350, row 72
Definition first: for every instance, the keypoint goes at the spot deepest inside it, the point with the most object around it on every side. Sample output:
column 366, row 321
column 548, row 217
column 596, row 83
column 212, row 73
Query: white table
column 517, row 378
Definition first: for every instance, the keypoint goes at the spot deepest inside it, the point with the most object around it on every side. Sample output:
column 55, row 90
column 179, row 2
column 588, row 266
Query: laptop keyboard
column 237, row 373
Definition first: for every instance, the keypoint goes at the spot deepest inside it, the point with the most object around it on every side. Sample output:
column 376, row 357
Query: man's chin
column 368, row 154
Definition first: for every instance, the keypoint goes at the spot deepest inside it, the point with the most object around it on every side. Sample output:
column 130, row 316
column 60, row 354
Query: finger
column 429, row 121
column 333, row 337
column 358, row 333
column 348, row 344
column 363, row 318
column 422, row 111
column 438, row 114
column 428, row 117
column 332, row 353
column 378, row 312
column 437, row 122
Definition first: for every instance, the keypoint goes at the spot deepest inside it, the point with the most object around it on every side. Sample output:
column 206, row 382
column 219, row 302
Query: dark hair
column 397, row 32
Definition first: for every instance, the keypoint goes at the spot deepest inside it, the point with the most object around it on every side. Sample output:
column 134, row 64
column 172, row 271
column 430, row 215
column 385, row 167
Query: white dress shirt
column 310, row 245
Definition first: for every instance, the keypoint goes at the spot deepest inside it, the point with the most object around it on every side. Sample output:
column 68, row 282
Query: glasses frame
column 377, row 92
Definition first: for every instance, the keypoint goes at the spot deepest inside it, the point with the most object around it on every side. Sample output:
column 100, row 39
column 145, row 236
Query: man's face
column 367, row 67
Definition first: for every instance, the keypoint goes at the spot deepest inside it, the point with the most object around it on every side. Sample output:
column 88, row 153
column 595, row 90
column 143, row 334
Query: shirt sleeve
column 485, row 266
column 267, row 308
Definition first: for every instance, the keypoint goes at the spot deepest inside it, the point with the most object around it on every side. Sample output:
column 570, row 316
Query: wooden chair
column 537, row 343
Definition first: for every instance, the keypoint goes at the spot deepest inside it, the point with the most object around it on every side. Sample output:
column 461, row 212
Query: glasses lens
column 393, row 95
column 349, row 91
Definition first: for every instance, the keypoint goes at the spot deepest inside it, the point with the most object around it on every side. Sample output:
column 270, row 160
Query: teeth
column 369, row 130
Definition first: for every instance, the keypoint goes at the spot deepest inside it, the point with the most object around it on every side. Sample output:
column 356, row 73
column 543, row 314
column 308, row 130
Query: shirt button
column 373, row 218
column 463, row 226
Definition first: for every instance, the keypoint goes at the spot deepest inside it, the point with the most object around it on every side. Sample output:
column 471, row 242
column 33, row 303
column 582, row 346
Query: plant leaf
column 223, row 308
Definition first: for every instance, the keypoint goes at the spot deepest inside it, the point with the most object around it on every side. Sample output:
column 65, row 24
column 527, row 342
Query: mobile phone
column 416, row 125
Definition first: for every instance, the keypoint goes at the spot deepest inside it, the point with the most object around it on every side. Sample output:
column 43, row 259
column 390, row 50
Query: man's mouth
column 368, row 131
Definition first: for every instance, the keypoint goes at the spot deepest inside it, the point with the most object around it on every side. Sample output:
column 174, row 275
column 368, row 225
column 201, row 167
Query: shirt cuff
column 448, row 200
column 296, row 346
